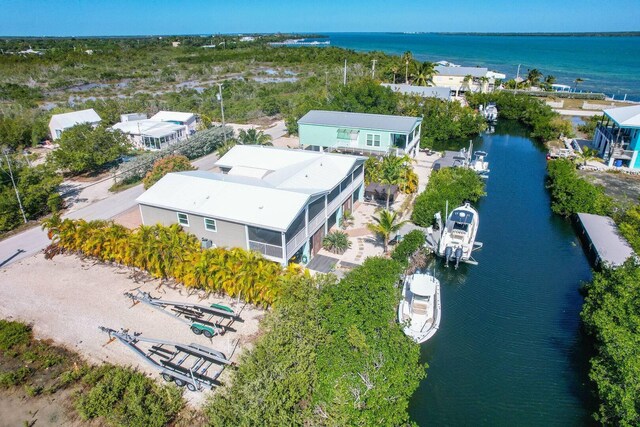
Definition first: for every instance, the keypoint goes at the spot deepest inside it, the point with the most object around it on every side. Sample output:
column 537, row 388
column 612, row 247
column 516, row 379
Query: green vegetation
column 385, row 224
column 337, row 242
column 611, row 314
column 253, row 137
column 629, row 225
column 165, row 165
column 85, row 149
column 124, row 397
column 410, row 243
column 571, row 194
column 454, row 185
column 589, row 126
column 170, row 252
column 544, row 123
column 392, row 170
column 331, row 354
column 38, row 189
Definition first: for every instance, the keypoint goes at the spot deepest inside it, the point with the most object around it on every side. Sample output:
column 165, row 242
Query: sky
column 149, row 17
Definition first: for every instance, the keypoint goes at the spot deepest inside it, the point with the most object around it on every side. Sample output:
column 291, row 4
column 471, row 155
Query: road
column 577, row 113
column 33, row 240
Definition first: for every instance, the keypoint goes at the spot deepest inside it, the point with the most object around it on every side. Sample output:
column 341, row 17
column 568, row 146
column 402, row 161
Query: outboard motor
column 458, row 256
column 448, row 251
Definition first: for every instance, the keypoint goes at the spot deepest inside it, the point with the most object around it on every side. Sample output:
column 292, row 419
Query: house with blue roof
column 617, row 137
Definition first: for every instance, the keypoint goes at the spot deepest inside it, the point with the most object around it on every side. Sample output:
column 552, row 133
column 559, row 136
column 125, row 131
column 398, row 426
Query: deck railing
column 296, row 241
column 266, row 249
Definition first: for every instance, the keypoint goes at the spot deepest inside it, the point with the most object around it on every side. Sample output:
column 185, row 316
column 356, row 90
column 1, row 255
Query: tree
column 163, row 166
column 629, row 226
column 386, row 224
column 587, row 154
column 392, row 171
column 393, row 69
column 85, row 149
column 337, row 242
column 424, row 73
column 549, row 80
column 466, row 82
column 365, row 96
column 407, row 60
column 577, row 82
column 253, row 137
column 533, row 76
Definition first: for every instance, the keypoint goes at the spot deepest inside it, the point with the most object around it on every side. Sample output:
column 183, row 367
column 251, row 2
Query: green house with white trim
column 359, row 133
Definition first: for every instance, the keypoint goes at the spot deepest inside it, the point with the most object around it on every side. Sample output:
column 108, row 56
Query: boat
column 490, row 112
column 419, row 311
column 479, row 165
column 458, row 236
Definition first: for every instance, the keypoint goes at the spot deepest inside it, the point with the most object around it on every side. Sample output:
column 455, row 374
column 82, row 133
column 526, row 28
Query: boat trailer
column 208, row 320
column 186, row 365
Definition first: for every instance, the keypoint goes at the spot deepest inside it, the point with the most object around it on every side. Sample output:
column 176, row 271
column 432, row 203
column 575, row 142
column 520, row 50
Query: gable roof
column 461, row 71
column 67, row 120
column 423, row 91
column 151, row 128
column 625, row 116
column 382, row 122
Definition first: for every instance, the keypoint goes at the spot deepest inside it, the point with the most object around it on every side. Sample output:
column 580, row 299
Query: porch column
column 284, row 249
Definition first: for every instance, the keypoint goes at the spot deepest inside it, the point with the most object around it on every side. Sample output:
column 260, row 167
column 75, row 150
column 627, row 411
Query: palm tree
column 407, row 59
column 253, row 137
column 224, row 148
column 424, row 73
column 577, row 82
column 534, row 76
column 386, row 224
column 466, row 81
column 392, row 171
column 587, row 155
column 394, row 68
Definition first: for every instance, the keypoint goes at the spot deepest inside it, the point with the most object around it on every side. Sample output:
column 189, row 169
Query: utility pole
column 517, row 77
column 344, row 76
column 224, row 132
column 406, row 73
column 5, row 151
column 373, row 68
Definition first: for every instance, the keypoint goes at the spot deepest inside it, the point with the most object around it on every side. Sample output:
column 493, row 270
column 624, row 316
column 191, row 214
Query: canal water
column 509, row 351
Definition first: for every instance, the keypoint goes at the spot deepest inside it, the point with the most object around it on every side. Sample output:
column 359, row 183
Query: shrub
column 170, row 252
column 629, row 226
column 571, row 194
column 124, row 397
column 161, row 167
column 454, row 185
column 409, row 244
column 15, row 377
column 13, row 334
column 337, row 242
column 611, row 314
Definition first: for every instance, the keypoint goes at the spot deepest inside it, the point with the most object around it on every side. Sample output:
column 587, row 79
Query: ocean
column 610, row 65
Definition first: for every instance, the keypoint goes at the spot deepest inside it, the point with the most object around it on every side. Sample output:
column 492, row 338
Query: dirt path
column 67, row 298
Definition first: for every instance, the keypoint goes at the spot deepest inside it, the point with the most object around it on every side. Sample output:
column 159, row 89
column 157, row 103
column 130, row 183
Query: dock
column 602, row 240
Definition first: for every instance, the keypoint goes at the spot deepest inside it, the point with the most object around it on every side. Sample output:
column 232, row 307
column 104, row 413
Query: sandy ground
column 67, row 298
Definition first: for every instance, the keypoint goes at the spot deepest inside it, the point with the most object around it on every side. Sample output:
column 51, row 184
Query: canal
column 509, row 351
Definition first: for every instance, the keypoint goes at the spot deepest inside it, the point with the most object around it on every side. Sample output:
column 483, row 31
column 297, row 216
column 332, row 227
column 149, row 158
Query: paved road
column 577, row 113
column 31, row 241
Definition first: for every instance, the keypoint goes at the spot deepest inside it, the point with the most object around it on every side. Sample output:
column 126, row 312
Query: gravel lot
column 67, row 298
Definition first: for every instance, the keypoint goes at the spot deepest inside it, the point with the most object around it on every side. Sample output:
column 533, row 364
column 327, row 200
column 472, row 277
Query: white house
column 61, row 122
column 185, row 119
column 463, row 79
column 279, row 202
column 443, row 93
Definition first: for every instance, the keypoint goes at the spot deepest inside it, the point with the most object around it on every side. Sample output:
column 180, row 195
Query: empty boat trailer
column 190, row 365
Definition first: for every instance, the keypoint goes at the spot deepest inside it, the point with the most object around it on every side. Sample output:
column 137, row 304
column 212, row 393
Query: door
column 316, row 241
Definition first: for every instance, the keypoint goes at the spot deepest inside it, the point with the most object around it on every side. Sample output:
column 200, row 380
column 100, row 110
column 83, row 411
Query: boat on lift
column 479, row 165
column 458, row 236
column 419, row 311
column 490, row 112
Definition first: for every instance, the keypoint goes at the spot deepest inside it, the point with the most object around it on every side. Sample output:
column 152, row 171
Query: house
column 443, row 93
column 150, row 134
column 464, row 79
column 61, row 122
column 617, row 137
column 184, row 119
column 279, row 202
column 360, row 133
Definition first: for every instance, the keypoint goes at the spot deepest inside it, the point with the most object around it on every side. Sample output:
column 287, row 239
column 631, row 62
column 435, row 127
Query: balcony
column 266, row 249
column 333, row 205
column 617, row 135
column 298, row 240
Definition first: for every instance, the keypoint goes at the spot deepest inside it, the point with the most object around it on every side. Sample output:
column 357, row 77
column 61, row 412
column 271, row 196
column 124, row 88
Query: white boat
column 419, row 309
column 490, row 112
column 479, row 165
column 458, row 236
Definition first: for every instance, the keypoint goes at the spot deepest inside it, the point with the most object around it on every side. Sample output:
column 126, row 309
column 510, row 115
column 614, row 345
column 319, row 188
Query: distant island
column 579, row 34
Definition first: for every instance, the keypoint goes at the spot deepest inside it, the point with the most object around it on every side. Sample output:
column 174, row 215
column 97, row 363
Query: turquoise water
column 606, row 64
column 509, row 351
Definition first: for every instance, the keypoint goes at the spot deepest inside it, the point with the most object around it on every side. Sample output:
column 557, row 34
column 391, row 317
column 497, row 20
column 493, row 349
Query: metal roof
column 381, row 122
column 611, row 248
column 67, row 120
column 625, row 116
column 461, row 71
column 443, row 93
column 170, row 116
column 153, row 128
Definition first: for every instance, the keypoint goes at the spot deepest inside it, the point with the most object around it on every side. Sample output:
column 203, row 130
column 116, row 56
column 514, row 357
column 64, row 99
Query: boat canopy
column 480, row 153
column 462, row 216
column 422, row 284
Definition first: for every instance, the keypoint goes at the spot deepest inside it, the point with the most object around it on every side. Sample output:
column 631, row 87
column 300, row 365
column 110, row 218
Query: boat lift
column 208, row 320
column 432, row 242
column 186, row 365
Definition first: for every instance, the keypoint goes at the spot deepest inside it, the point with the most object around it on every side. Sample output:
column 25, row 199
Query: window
column 210, row 224
column 373, row 140
column 399, row 140
column 183, row 219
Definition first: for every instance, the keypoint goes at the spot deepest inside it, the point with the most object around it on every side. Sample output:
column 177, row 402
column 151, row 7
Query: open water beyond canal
column 509, row 351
